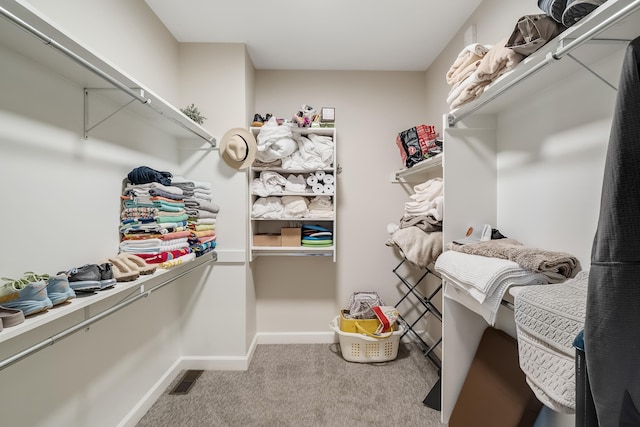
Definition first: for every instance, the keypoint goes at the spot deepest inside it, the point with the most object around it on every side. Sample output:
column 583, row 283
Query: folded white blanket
column 432, row 208
column 274, row 142
column 295, row 206
column 295, row 184
column 428, row 190
column 314, row 152
column 267, row 207
column 462, row 274
column 478, row 275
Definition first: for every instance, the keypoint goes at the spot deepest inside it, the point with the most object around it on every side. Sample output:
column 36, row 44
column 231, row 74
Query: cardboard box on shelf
column 291, row 236
column 267, row 240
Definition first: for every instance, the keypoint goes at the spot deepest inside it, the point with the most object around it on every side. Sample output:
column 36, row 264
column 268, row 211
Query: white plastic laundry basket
column 364, row 349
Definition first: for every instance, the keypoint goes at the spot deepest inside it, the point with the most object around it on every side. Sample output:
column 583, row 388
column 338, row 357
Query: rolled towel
column 312, row 180
column 320, row 175
column 328, row 188
column 318, row 189
column 328, row 179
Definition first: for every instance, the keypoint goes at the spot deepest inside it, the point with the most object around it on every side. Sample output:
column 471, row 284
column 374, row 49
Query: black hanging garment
column 612, row 324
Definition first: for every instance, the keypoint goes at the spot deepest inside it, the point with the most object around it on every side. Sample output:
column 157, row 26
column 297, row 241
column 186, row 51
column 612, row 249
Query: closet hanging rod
column 86, row 323
column 452, row 118
column 50, row 42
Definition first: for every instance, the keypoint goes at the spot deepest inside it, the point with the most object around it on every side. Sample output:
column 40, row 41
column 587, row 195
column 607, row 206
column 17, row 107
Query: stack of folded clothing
column 425, row 208
column 153, row 217
column 321, row 207
column 555, row 266
column 480, row 282
column 315, row 236
column 202, row 215
column 477, row 65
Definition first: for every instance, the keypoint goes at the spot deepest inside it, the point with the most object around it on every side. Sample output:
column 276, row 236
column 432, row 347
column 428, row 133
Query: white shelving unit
column 28, row 34
column 273, row 226
column 31, row 35
column 470, row 148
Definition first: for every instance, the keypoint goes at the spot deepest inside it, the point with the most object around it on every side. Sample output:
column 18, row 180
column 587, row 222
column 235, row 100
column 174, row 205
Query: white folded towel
column 480, row 275
column 295, row 184
column 295, row 206
column 267, row 207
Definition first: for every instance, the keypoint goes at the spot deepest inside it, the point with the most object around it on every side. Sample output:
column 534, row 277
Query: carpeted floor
column 305, row 385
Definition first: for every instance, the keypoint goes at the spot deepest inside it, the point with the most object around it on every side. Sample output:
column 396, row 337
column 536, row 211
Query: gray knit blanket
column 557, row 266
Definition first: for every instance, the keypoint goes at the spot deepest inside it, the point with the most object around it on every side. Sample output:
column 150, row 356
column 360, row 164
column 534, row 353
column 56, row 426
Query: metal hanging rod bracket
column 87, row 91
column 108, row 76
column 598, row 76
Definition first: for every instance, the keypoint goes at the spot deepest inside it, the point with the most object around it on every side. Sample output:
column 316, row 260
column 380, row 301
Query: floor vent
column 188, row 380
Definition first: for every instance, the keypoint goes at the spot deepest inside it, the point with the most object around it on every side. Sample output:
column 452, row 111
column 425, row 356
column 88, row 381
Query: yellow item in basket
column 356, row 326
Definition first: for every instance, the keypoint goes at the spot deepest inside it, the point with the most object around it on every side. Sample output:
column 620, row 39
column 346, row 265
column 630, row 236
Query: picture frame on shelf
column 327, row 115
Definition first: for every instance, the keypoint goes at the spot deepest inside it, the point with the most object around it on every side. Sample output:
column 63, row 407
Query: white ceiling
column 405, row 35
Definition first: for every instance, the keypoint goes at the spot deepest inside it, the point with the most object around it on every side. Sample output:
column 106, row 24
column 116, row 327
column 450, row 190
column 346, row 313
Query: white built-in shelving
column 274, row 226
column 470, row 155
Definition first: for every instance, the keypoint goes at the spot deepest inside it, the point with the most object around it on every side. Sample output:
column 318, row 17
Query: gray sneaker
column 84, row 279
column 106, row 275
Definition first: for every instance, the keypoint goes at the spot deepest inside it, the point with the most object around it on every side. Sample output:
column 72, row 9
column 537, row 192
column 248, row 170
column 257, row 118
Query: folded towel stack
column 160, row 219
column 480, row 282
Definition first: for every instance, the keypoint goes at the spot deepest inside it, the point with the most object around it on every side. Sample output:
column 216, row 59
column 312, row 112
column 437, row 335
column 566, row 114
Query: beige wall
column 304, row 294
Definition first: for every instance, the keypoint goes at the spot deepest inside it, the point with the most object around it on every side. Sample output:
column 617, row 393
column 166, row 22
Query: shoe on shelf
column 121, row 271
column 135, row 262
column 58, row 288
column 106, row 275
column 578, row 9
column 10, row 317
column 553, row 8
column 258, row 121
column 85, row 278
column 21, row 294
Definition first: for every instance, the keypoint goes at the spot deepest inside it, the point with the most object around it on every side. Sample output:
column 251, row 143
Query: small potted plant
column 194, row 114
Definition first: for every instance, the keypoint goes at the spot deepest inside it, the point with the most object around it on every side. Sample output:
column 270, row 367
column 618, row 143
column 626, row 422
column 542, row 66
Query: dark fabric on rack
column 146, row 175
column 612, row 324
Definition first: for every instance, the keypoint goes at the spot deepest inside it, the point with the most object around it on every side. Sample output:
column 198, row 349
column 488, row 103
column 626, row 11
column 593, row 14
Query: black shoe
column 257, row 120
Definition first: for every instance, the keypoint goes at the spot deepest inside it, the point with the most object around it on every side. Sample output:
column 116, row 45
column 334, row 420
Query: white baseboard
column 296, row 337
column 222, row 363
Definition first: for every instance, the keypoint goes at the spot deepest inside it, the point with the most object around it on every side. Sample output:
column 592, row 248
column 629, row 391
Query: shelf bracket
column 598, row 76
column 89, row 127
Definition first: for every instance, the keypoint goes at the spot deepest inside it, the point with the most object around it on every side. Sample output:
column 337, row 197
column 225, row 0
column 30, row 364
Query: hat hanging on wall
column 238, row 148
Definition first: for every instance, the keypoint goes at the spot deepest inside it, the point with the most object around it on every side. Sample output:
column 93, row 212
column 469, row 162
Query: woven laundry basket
column 364, row 349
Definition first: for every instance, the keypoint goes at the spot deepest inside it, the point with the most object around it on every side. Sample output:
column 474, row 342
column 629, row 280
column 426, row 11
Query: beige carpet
column 305, row 385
